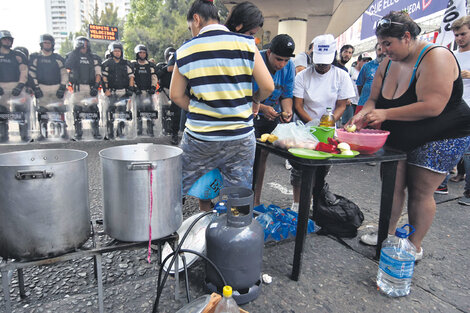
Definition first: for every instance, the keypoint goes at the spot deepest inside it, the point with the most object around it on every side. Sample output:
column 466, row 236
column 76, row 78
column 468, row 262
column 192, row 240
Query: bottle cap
column 401, row 233
column 227, row 291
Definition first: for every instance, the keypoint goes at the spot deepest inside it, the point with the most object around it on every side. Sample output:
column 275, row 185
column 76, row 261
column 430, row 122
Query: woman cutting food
column 417, row 96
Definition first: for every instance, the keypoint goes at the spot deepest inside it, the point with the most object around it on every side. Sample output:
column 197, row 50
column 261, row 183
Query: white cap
column 324, row 48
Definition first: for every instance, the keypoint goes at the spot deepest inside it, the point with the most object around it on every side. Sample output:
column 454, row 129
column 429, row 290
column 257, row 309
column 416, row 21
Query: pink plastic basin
column 366, row 141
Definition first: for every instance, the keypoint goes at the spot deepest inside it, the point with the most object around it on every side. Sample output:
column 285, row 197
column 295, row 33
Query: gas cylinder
column 234, row 243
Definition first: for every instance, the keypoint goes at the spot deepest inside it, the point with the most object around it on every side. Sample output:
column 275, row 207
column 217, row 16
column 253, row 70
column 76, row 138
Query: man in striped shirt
column 218, row 66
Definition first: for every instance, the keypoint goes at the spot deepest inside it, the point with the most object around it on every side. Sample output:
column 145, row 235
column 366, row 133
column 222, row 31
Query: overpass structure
column 305, row 19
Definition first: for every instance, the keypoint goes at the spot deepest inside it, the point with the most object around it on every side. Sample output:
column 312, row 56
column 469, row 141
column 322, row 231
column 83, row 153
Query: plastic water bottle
column 227, row 304
column 397, row 260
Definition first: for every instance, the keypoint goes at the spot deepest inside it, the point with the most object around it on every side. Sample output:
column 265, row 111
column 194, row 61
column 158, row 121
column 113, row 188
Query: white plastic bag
column 294, row 135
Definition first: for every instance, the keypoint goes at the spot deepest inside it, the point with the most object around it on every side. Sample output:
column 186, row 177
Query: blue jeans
column 348, row 113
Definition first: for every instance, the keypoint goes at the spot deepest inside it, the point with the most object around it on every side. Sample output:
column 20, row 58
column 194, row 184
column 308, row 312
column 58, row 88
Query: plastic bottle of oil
column 227, row 304
column 327, row 119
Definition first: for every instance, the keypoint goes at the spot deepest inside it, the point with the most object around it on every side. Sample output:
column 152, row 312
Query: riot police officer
column 49, row 77
column 85, row 78
column 13, row 77
column 118, row 85
column 146, row 81
column 172, row 113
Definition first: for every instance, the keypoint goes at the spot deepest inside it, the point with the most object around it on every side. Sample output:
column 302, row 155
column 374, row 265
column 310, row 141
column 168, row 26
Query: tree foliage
column 107, row 17
column 159, row 24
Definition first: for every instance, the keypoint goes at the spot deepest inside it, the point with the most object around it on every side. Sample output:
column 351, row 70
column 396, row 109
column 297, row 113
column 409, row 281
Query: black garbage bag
column 337, row 215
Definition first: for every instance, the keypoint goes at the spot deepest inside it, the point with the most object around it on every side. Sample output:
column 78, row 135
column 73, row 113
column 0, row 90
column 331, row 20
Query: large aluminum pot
column 127, row 172
column 44, row 207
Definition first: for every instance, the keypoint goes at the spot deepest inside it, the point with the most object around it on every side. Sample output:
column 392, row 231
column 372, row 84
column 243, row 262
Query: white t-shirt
column 464, row 61
column 321, row 91
column 353, row 73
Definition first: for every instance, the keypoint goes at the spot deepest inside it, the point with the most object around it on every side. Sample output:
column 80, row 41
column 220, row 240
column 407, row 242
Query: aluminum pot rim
column 106, row 157
column 83, row 156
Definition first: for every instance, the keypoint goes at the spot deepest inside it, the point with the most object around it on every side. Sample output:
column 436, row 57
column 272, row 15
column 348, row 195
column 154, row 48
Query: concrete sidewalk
column 336, row 276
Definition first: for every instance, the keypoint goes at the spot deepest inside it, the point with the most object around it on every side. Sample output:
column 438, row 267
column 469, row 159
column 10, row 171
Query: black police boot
column 110, row 129
column 96, row 130
column 150, row 128
column 42, row 130
column 120, row 129
column 140, row 127
column 62, row 130
column 24, row 132
column 78, row 130
column 3, row 131
column 174, row 139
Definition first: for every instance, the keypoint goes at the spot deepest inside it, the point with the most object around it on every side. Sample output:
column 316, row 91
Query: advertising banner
column 415, row 8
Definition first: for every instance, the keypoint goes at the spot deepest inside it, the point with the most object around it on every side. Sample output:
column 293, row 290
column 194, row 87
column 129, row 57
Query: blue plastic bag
column 208, row 186
column 279, row 224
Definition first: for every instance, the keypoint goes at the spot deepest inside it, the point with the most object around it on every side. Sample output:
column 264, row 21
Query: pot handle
column 26, row 175
column 135, row 166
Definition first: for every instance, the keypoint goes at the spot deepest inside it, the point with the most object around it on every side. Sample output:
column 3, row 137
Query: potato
column 272, row 138
column 350, row 128
column 264, row 137
column 285, row 115
column 344, row 146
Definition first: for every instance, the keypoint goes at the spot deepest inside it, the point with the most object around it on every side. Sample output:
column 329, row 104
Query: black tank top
column 453, row 122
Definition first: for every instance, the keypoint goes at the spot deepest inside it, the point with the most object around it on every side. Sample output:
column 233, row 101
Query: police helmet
column 140, row 48
column 45, row 37
column 80, row 42
column 116, row 45
column 6, row 34
column 107, row 54
column 22, row 50
column 169, row 52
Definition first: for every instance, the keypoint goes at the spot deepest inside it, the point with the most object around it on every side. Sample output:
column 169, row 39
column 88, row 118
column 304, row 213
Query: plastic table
column 313, row 179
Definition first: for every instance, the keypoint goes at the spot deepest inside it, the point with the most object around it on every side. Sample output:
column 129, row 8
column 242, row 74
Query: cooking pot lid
column 196, row 306
column 196, row 240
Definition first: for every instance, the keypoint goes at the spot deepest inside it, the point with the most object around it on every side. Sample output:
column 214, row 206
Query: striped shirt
column 219, row 67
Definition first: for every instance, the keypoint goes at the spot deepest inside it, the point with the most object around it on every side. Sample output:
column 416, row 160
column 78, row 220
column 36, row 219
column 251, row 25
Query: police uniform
column 84, row 69
column 49, row 78
column 13, row 77
column 146, row 81
column 172, row 114
column 116, row 79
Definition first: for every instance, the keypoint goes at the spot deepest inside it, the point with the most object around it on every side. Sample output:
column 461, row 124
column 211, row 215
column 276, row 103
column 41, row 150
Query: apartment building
column 67, row 16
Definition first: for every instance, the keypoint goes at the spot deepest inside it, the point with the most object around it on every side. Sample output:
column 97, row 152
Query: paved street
column 337, row 275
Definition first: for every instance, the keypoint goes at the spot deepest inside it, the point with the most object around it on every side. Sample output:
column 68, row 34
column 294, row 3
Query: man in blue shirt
column 366, row 77
column 277, row 108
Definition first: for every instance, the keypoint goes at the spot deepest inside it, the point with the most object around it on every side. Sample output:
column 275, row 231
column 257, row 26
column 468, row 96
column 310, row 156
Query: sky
column 25, row 19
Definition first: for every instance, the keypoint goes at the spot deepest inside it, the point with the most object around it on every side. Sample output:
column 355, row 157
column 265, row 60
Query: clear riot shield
column 85, row 117
column 52, row 116
column 120, row 113
column 147, row 115
column 167, row 115
column 170, row 115
column 15, row 117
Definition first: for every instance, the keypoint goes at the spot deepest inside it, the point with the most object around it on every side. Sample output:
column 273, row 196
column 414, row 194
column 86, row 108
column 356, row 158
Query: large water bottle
column 397, row 260
column 227, row 304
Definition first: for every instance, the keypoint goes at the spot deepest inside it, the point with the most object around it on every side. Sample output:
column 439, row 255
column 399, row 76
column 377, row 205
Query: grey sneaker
column 465, row 200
